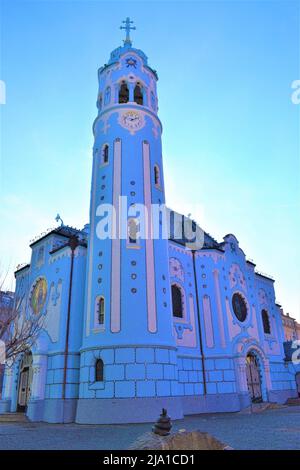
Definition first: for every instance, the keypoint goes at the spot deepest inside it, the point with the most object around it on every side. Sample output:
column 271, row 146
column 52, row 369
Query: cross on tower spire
column 127, row 28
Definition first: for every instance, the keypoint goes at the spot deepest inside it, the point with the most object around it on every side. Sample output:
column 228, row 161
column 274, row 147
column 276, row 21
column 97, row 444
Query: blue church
column 136, row 315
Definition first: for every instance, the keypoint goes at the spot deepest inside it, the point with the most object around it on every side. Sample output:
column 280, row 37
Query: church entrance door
column 25, row 379
column 253, row 378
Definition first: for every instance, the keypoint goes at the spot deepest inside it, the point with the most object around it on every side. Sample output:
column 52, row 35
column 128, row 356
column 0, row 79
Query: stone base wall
column 281, row 396
column 129, row 372
column 225, row 403
column 126, row 410
column 282, row 378
column 60, row 411
column 219, row 375
column 55, row 376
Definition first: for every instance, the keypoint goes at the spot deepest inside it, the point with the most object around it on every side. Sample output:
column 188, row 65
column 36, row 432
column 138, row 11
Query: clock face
column 132, row 120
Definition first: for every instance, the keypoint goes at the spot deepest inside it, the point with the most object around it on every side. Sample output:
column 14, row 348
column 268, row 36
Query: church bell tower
column 128, row 356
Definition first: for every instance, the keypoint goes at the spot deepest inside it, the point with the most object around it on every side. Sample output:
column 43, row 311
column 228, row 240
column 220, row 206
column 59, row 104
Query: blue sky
column 231, row 131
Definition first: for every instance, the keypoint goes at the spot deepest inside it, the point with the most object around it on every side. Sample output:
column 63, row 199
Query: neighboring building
column 291, row 336
column 6, row 300
column 6, row 305
column 133, row 324
column 290, row 326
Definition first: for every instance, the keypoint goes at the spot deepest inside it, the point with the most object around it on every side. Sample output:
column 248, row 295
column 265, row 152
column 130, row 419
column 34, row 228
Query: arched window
column 266, row 322
column 101, row 311
column 177, row 302
column 157, row 176
column 99, row 369
column 104, row 156
column 138, row 95
column 133, row 229
column 123, row 93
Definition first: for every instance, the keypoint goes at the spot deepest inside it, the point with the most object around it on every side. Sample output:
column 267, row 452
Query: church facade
column 132, row 323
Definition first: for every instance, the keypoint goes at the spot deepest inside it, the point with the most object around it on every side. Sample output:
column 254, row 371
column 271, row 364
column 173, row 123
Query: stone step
column 260, row 407
column 293, row 402
column 13, row 418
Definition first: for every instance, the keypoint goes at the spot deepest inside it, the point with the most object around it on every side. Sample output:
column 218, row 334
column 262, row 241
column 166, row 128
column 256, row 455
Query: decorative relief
column 55, row 294
column 52, row 320
column 180, row 327
column 236, row 277
column 131, row 62
column 105, row 127
column 262, row 297
column 40, row 256
column 233, row 327
column 65, row 252
column 208, row 324
column 155, row 132
column 185, row 332
column 176, row 269
column 182, row 250
column 214, row 255
column 252, row 329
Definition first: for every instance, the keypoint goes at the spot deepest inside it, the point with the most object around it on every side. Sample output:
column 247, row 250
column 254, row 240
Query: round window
column 239, row 307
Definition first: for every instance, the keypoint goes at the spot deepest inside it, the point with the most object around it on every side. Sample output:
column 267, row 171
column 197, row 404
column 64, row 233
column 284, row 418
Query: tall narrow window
column 177, row 302
column 133, row 228
column 101, row 311
column 107, row 96
column 138, row 95
column 99, row 369
column 157, row 176
column 266, row 322
column 99, row 103
column 105, row 149
column 153, row 104
column 123, row 93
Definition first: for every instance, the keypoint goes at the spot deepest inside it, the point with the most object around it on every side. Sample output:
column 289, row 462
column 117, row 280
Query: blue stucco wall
column 195, row 363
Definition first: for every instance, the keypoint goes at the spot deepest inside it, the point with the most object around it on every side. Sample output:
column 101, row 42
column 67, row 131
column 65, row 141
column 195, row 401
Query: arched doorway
column 254, row 378
column 25, row 380
column 298, row 383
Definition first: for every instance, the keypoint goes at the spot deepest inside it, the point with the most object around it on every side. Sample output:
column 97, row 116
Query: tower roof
column 127, row 48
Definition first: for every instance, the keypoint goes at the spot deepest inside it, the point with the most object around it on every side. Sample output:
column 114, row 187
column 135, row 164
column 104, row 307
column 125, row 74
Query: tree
column 18, row 329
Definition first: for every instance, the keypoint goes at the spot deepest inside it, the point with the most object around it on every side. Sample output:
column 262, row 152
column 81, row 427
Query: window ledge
column 132, row 246
column 97, row 386
column 99, row 329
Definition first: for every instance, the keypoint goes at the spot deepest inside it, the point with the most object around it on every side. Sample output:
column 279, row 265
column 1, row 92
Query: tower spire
column 128, row 28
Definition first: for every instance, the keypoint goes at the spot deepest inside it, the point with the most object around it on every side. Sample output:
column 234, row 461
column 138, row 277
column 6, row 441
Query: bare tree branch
column 18, row 329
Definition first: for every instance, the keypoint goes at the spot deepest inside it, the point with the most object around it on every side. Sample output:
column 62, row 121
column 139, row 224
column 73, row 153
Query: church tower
column 128, row 355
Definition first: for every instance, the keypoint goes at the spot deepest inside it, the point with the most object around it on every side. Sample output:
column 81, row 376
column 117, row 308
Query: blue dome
column 117, row 53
